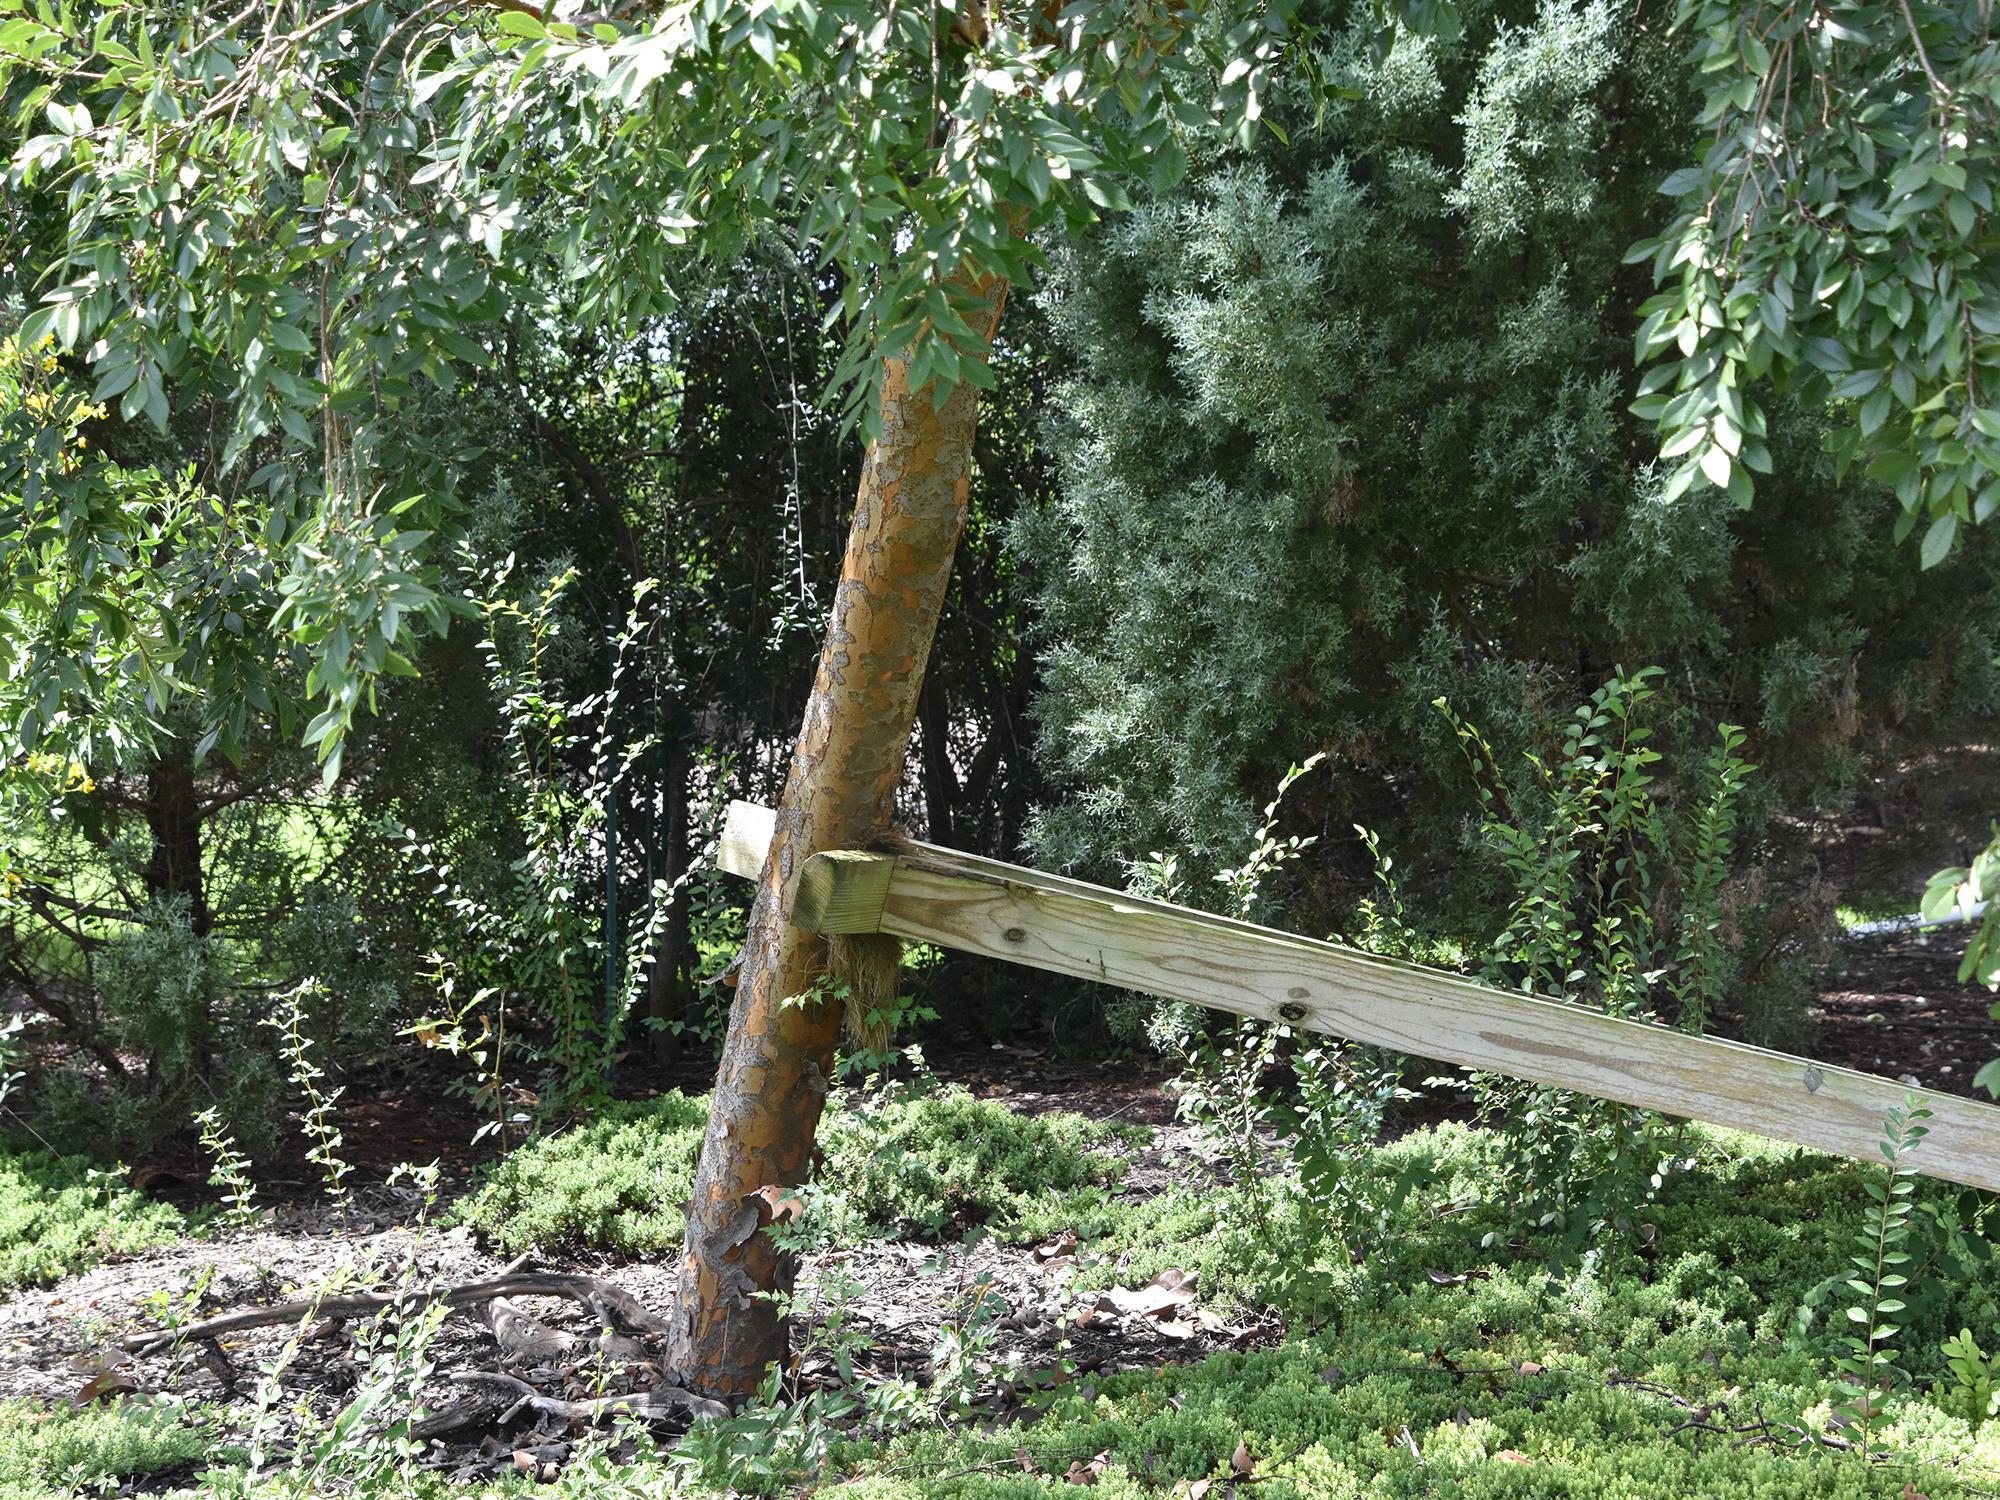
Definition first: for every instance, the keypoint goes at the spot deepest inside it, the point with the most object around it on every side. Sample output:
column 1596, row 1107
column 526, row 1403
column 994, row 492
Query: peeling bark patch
column 854, row 735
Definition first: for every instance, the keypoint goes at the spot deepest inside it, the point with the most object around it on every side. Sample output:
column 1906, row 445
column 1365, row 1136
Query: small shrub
column 947, row 1162
column 1971, row 1389
column 55, row 1220
column 160, row 988
column 942, row 1162
column 617, row 1182
column 60, row 1451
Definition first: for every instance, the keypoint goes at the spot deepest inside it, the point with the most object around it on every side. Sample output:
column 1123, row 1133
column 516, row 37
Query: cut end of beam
column 843, row 890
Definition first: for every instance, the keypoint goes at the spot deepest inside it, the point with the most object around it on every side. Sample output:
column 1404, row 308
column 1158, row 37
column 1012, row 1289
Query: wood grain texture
column 1070, row 927
column 842, row 891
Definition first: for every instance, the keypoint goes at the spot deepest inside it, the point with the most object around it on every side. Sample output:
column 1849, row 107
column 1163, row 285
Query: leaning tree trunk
column 778, row 1056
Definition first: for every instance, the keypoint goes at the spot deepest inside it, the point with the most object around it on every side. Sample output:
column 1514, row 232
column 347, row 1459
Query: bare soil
column 62, row 1343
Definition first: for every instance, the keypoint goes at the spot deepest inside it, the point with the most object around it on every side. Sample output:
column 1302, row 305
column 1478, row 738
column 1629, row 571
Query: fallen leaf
column 1025, row 1459
column 1191, row 1489
column 524, row 1461
column 1157, row 1298
column 1529, row 1367
column 1086, row 1473
column 1509, row 1456
column 1063, row 1244
column 1911, row 1492
column 105, row 1383
column 1241, row 1461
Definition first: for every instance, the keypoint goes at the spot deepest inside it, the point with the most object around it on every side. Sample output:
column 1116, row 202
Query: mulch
column 62, row 1344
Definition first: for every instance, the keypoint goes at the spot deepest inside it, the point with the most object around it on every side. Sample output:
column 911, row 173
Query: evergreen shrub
column 1348, row 433
column 932, row 1164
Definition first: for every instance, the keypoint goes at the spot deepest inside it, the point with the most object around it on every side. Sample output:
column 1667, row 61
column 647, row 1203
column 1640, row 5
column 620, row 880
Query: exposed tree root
column 613, row 1308
column 649, row 1405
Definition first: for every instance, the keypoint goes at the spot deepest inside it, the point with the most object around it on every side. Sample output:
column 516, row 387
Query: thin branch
column 608, row 1302
column 1938, row 85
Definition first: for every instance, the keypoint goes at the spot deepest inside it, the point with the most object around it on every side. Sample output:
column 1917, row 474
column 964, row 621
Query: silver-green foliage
column 1347, row 432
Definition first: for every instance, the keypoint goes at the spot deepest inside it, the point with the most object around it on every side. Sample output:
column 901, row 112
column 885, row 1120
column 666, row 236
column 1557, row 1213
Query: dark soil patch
column 1894, row 1006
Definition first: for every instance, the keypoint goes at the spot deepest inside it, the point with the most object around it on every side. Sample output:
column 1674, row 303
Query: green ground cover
column 57, row 1451
column 1440, row 1352
column 939, row 1163
column 56, row 1218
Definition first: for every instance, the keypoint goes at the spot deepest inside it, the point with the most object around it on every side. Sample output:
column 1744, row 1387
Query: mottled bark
column 772, row 1082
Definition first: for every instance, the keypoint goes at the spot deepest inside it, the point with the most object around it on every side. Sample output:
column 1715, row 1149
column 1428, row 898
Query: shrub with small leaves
column 1868, row 1367
column 931, row 1164
column 57, row 1216
column 1972, row 1389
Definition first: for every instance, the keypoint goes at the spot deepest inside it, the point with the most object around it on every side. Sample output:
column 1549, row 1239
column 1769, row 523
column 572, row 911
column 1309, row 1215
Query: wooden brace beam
column 960, row 901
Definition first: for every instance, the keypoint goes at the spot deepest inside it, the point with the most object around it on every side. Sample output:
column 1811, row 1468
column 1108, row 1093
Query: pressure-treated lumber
column 975, row 905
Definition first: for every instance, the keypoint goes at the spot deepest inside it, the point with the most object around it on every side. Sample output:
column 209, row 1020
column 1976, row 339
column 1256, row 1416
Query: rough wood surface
column 1090, row 932
column 839, row 793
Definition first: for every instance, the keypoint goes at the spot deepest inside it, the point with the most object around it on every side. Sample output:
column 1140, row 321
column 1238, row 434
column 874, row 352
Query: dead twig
column 612, row 1306
column 650, row 1405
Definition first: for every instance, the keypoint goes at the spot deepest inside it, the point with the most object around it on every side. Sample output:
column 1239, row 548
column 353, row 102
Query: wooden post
column 975, row 905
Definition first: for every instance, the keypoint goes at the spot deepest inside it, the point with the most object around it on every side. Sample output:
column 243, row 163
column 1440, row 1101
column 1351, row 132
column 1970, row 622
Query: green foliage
column 1836, row 240
column 933, row 1164
column 159, row 990
column 45, row 1452
column 1961, row 891
column 525, row 932
column 231, row 1172
column 1615, row 904
column 1973, row 1388
column 1584, row 1372
column 620, row 1181
column 1867, row 1366
column 1328, row 1119
column 1347, row 433
column 316, row 1120
column 936, row 1165
column 334, row 213
column 58, row 1215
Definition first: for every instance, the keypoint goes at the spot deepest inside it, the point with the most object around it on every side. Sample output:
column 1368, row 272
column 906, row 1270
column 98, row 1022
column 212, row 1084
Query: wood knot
column 1015, row 935
column 1291, row 1010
